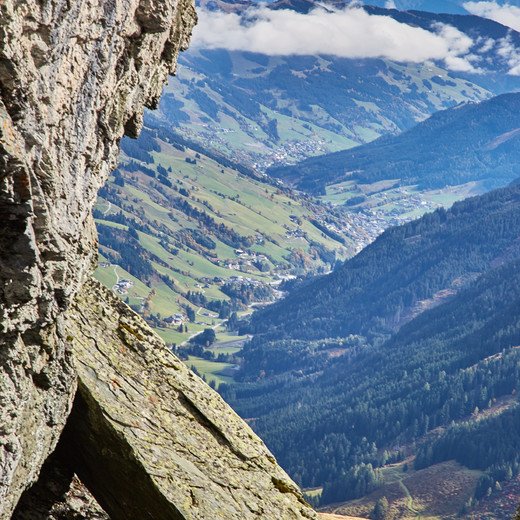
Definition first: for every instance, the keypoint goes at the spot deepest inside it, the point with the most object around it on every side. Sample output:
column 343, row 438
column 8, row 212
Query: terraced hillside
column 187, row 240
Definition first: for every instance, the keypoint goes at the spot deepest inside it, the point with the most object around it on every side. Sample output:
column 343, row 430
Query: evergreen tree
column 381, row 510
column 190, row 313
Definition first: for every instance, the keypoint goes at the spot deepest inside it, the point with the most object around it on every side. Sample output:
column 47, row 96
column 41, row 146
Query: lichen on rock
column 75, row 77
column 159, row 442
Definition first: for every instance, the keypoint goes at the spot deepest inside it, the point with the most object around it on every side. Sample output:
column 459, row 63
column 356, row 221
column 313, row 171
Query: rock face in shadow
column 58, row 494
column 146, row 436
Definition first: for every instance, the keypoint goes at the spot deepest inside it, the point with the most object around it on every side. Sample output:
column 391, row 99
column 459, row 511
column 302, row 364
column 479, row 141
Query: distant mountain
column 494, row 64
column 434, row 6
column 471, row 142
column 259, row 109
column 371, row 364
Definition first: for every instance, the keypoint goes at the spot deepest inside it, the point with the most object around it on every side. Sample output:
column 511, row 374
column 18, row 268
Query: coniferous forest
column 421, row 330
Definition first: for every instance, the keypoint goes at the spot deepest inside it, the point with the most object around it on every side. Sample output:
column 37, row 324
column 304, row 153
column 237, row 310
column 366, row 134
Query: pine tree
column 381, row 510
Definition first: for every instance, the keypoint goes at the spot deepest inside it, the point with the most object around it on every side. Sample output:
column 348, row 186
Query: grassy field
column 395, row 204
column 314, row 492
column 212, row 370
column 276, row 222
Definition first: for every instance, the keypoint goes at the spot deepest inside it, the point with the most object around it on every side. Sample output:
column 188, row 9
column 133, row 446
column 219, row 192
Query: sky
column 354, row 33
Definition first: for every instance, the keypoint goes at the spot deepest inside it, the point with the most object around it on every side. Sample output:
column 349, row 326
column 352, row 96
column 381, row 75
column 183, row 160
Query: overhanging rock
column 150, row 439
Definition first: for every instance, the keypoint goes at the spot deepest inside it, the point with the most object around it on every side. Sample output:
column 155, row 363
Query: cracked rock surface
column 78, row 369
column 74, row 77
column 149, row 438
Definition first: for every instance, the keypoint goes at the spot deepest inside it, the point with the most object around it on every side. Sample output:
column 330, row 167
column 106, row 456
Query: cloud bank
column 347, row 33
column 508, row 52
column 507, row 14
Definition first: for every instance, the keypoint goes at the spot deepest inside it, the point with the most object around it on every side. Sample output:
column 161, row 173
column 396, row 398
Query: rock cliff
column 81, row 376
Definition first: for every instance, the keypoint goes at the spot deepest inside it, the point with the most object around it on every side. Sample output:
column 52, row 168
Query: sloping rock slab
column 151, row 439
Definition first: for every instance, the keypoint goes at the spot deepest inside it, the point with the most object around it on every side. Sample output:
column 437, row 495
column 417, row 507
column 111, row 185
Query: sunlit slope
column 259, row 109
column 262, row 109
column 174, row 221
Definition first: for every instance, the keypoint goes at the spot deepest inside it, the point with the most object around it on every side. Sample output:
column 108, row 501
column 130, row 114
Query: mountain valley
column 189, row 235
column 268, row 233
column 283, row 284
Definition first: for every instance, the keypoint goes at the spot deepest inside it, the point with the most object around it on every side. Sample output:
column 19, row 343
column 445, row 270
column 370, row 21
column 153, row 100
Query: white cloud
column 348, row 33
column 506, row 14
column 486, row 45
column 459, row 45
column 390, row 4
column 510, row 54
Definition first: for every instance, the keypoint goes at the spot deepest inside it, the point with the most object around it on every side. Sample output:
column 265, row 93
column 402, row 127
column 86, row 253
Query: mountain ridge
column 451, row 147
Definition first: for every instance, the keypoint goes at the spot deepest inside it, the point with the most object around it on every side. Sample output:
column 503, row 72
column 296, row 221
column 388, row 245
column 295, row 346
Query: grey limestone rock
column 75, row 75
column 78, row 369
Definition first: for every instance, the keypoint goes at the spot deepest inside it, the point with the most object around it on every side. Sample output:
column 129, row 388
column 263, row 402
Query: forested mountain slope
column 384, row 285
column 365, row 365
column 472, row 142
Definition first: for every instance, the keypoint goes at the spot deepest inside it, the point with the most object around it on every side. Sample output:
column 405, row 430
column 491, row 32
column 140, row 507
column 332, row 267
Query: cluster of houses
column 297, row 233
column 290, row 151
column 123, row 286
column 242, row 279
column 176, row 319
column 244, row 260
